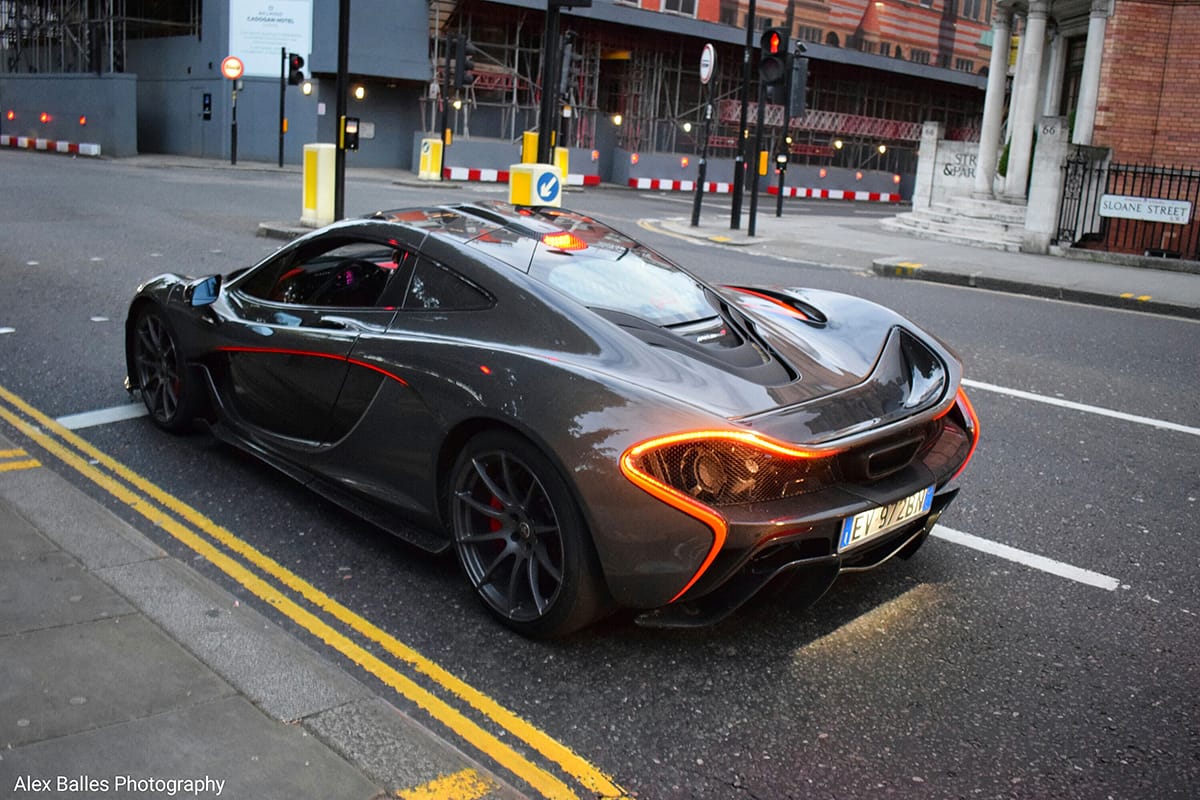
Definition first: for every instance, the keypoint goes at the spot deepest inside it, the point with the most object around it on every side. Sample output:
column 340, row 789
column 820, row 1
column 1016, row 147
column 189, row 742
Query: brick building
column 1146, row 111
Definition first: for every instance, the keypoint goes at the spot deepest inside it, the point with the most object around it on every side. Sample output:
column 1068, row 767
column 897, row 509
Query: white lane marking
column 1104, row 412
column 8, row 330
column 104, row 416
column 1028, row 559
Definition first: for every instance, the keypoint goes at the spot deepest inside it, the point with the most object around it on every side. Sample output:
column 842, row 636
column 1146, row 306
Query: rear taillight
column 963, row 407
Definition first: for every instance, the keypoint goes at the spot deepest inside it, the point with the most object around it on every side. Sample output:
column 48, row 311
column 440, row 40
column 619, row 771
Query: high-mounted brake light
column 564, row 241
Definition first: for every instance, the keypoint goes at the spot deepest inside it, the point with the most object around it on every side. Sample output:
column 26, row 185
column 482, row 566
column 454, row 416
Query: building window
column 684, row 7
column 729, row 13
column 918, row 56
column 808, row 33
column 885, row 48
column 964, row 64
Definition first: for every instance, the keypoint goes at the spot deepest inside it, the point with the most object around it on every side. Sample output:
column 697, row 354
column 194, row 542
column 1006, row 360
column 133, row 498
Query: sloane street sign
column 1149, row 209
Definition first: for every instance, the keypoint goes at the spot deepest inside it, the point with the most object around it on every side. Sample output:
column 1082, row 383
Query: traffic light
column 295, row 69
column 773, row 57
column 569, row 67
column 799, row 88
column 463, row 63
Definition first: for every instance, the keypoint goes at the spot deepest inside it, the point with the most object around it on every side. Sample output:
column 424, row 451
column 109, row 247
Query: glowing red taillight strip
column 283, row 351
column 968, row 412
column 689, row 505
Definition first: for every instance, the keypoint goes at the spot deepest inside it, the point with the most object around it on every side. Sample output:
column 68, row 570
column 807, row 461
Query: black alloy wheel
column 162, row 376
column 521, row 538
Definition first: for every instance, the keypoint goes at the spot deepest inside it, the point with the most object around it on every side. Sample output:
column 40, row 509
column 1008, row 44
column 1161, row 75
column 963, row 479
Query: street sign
column 232, row 68
column 547, row 189
column 708, row 62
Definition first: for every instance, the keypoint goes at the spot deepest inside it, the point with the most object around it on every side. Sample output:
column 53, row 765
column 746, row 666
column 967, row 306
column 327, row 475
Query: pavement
column 126, row 673
column 859, row 242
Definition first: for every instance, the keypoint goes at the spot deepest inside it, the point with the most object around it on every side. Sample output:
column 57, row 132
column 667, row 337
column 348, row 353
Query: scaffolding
column 81, row 36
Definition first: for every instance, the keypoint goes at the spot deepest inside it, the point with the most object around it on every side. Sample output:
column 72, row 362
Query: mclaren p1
column 588, row 425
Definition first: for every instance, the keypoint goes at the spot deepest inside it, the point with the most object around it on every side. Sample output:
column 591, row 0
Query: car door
column 295, row 321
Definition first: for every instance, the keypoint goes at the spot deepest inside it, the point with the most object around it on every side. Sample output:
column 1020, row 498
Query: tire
column 168, row 387
column 521, row 539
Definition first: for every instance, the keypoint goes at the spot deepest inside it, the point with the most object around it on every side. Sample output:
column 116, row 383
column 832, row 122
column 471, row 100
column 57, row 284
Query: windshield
column 634, row 282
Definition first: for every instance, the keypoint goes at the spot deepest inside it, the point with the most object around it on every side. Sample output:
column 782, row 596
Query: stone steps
column 965, row 220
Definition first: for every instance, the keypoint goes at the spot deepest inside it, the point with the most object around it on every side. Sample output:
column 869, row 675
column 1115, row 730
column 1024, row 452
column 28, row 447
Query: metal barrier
column 1129, row 208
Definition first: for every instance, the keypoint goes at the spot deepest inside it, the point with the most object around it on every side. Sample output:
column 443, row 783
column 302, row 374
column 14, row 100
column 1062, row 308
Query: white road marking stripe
column 89, row 419
column 1028, row 559
column 1104, row 412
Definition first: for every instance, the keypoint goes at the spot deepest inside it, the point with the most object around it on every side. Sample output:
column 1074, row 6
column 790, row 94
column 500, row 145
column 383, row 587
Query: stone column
column 1029, row 76
column 931, row 134
column 993, row 103
column 1056, row 66
column 1089, row 83
column 1045, row 190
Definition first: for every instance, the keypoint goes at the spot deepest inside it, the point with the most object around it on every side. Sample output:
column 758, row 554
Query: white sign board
column 260, row 29
column 1149, row 209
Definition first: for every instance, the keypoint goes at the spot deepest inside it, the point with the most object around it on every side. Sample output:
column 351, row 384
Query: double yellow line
column 268, row 580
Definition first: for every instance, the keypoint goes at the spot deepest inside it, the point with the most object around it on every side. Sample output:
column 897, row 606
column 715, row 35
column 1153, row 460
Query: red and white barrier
column 49, row 145
column 501, row 176
column 662, row 184
column 667, row 185
column 836, row 194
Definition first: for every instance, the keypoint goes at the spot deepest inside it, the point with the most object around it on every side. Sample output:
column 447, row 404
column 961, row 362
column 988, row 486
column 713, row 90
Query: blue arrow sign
column 547, row 187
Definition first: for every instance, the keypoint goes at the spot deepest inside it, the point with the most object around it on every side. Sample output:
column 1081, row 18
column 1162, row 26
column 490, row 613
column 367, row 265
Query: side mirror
column 203, row 292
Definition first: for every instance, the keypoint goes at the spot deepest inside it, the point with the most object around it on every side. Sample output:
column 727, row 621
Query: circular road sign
column 232, row 67
column 547, row 188
column 708, row 62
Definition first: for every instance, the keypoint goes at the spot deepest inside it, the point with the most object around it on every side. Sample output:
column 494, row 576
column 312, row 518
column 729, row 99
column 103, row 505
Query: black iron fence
column 1130, row 208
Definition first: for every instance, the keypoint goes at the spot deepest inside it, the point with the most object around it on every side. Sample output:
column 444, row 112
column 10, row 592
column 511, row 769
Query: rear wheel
column 170, row 393
column 521, row 538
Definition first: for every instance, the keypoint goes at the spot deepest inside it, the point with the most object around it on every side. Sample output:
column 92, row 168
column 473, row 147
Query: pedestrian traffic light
column 463, row 63
column 773, row 57
column 350, row 133
column 295, row 69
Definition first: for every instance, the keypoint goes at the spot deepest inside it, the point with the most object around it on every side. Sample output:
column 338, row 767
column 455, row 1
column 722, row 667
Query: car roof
column 516, row 234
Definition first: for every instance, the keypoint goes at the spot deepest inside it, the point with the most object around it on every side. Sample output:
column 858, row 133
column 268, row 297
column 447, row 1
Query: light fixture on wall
column 617, row 119
column 360, row 91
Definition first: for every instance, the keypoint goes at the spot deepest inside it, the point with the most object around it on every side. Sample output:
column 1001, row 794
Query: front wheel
column 521, row 538
column 168, row 389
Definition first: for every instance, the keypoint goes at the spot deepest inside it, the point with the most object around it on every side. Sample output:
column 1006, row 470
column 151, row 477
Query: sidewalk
column 861, row 243
column 126, row 674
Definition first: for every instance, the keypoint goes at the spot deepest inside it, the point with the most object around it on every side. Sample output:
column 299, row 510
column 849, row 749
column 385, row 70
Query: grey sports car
column 586, row 423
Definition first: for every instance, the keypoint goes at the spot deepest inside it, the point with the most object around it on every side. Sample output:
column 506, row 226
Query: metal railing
column 1130, row 208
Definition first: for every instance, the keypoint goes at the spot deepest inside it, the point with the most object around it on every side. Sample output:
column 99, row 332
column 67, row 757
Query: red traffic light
column 774, row 40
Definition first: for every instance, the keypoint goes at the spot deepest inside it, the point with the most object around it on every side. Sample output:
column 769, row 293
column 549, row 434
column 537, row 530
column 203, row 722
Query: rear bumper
column 798, row 569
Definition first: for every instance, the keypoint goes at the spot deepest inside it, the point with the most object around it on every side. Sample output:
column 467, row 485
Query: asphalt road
column 959, row 673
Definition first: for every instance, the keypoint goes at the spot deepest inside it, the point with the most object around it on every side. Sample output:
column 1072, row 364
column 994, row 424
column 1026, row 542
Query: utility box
column 320, row 176
column 431, row 160
column 534, row 185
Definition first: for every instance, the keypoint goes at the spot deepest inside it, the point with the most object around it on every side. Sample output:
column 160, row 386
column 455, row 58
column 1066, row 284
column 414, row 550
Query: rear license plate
column 868, row 524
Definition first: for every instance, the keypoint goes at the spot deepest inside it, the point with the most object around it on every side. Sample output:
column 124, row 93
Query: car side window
column 338, row 275
column 434, row 287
